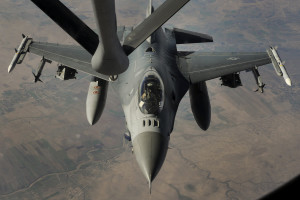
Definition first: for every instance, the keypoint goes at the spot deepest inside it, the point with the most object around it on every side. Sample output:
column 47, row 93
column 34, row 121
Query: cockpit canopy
column 151, row 95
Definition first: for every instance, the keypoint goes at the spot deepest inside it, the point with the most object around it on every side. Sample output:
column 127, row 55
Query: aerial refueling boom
column 146, row 70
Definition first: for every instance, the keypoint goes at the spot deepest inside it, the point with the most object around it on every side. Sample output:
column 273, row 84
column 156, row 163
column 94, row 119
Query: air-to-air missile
column 258, row 80
column 278, row 65
column 20, row 53
column 40, row 69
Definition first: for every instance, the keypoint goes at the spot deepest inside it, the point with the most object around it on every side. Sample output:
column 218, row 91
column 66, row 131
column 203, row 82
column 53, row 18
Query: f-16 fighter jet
column 146, row 70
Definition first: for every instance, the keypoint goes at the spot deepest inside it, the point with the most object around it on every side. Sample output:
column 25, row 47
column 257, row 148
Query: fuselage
column 150, row 91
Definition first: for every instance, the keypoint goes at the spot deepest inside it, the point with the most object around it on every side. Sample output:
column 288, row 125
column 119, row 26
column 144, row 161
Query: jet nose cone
column 150, row 150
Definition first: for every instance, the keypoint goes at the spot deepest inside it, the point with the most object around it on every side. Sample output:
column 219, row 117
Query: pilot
column 150, row 98
column 144, row 96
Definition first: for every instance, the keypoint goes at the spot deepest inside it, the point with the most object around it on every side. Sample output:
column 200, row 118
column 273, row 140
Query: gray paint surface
column 176, row 73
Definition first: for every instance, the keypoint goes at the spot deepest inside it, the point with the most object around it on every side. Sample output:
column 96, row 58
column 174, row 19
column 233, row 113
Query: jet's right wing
column 199, row 66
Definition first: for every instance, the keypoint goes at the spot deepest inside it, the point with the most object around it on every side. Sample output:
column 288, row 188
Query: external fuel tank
column 200, row 104
column 96, row 99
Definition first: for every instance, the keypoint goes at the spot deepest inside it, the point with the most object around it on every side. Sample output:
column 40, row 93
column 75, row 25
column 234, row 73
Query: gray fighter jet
column 143, row 66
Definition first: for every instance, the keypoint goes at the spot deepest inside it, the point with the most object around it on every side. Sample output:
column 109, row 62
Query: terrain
column 48, row 150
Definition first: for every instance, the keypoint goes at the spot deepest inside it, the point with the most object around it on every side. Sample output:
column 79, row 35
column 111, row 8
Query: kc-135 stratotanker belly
column 145, row 68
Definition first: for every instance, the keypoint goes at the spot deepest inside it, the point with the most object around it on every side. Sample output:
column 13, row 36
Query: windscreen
column 151, row 94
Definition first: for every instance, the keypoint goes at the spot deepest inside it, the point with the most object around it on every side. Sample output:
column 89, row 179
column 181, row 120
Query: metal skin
column 109, row 58
column 152, row 75
column 40, row 69
column 16, row 59
column 258, row 80
column 150, row 133
column 200, row 104
column 279, row 65
column 96, row 99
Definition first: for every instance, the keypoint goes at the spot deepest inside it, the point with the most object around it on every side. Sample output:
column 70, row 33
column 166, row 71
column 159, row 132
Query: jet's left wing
column 199, row 66
column 69, row 55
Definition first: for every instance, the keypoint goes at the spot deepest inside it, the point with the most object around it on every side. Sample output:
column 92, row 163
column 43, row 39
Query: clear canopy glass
column 151, row 94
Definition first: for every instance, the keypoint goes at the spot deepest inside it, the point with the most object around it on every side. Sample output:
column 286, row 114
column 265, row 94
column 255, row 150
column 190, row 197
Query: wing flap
column 199, row 66
column 72, row 56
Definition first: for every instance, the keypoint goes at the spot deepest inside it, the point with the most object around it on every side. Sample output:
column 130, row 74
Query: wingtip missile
column 13, row 62
column 19, row 53
column 288, row 81
column 279, row 65
column 10, row 68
